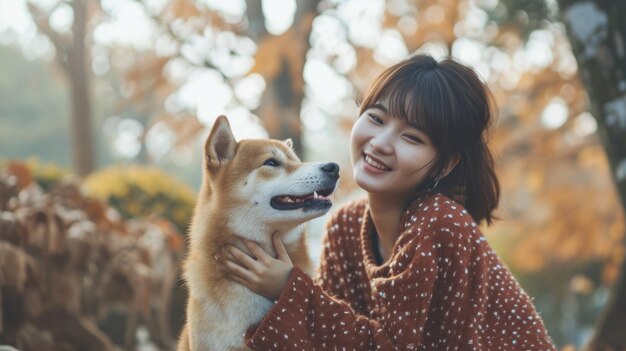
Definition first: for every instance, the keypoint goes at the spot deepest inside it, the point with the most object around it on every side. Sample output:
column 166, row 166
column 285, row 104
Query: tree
column 598, row 36
column 72, row 56
column 280, row 60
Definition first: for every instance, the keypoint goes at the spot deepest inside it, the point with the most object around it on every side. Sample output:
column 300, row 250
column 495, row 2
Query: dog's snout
column 331, row 168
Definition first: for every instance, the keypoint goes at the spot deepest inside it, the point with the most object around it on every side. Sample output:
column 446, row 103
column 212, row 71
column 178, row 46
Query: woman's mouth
column 375, row 164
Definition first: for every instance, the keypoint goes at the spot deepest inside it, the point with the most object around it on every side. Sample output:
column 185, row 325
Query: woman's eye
column 414, row 139
column 376, row 119
column 272, row 162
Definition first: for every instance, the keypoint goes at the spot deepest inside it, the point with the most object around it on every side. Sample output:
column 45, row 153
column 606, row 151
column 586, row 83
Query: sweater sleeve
column 327, row 275
column 306, row 317
column 330, row 274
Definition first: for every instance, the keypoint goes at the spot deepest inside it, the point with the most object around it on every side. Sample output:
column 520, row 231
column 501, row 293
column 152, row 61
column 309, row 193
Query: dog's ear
column 289, row 143
column 221, row 145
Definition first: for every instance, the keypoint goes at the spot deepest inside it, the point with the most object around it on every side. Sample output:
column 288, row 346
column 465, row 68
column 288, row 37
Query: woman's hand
column 263, row 274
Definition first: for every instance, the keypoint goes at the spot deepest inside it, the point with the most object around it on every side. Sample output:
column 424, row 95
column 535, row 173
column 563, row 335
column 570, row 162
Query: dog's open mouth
column 317, row 199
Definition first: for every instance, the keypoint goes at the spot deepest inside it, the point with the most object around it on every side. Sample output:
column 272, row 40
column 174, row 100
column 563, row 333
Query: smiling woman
column 407, row 268
column 388, row 151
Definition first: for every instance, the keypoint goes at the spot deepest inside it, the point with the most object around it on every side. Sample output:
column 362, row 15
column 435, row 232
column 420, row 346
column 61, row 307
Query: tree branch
column 43, row 24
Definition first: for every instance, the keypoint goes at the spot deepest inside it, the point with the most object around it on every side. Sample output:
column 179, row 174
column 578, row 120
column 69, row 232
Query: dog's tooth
column 315, row 195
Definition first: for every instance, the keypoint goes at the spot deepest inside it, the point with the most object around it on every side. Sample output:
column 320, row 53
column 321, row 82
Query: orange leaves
column 558, row 203
column 592, row 158
column 535, row 180
column 434, row 20
column 183, row 9
column 22, row 174
column 146, row 78
column 186, row 128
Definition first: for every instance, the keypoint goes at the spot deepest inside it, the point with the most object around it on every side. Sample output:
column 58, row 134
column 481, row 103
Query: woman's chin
column 374, row 186
column 370, row 186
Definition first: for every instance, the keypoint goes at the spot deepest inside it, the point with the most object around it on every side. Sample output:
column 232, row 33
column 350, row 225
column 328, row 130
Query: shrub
column 139, row 191
column 45, row 174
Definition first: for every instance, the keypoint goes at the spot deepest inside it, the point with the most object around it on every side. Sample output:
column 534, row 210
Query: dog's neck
column 263, row 233
column 292, row 235
column 252, row 224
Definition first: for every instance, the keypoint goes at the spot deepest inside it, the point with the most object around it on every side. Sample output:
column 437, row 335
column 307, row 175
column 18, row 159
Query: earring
column 435, row 185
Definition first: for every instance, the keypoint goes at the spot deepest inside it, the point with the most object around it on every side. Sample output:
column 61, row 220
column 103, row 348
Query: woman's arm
column 307, row 317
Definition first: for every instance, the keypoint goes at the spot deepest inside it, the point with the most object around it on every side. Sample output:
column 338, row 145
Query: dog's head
column 263, row 182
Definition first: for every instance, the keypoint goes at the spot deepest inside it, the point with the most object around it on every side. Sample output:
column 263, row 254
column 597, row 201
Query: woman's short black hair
column 447, row 101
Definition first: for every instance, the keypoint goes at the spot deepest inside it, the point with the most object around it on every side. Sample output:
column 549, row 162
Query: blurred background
column 105, row 105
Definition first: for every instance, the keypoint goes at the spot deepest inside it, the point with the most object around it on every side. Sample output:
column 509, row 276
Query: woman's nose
column 382, row 143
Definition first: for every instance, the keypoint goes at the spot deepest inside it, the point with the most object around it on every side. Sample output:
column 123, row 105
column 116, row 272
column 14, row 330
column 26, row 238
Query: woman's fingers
column 265, row 275
column 243, row 258
column 281, row 251
column 237, row 271
column 257, row 251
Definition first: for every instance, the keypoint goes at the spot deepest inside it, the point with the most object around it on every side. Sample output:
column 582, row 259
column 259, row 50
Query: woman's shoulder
column 439, row 214
column 438, row 208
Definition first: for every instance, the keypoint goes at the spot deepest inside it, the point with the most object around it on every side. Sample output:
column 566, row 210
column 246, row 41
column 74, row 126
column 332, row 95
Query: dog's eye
column 272, row 162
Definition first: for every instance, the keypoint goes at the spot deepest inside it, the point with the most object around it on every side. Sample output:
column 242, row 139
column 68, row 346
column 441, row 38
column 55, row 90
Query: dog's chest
column 226, row 323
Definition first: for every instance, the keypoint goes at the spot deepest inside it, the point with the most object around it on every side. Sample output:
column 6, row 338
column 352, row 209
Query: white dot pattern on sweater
column 442, row 288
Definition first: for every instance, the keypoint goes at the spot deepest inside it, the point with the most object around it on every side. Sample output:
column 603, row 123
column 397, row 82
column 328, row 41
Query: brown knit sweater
column 442, row 288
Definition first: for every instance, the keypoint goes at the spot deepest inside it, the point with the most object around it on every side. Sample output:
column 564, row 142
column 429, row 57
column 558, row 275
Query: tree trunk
column 282, row 100
column 597, row 32
column 73, row 58
column 78, row 74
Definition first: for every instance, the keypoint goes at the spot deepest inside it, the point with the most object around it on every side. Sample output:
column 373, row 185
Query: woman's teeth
column 375, row 164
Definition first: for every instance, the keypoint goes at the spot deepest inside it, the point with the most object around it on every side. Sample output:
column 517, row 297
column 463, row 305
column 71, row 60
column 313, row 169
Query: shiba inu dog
column 250, row 189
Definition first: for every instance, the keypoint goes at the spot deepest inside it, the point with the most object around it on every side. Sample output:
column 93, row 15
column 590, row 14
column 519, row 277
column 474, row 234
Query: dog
column 250, row 189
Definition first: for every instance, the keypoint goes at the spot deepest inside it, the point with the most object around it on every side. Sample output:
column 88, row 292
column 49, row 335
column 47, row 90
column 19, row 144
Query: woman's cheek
column 357, row 139
column 353, row 146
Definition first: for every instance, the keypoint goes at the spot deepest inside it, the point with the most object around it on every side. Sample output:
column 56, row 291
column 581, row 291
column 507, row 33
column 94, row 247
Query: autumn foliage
column 562, row 225
column 68, row 261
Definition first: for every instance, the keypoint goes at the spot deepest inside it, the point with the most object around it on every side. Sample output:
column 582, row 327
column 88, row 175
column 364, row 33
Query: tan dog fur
column 219, row 311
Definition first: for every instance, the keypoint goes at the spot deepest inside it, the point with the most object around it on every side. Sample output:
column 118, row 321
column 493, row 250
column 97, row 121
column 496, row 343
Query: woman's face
column 389, row 155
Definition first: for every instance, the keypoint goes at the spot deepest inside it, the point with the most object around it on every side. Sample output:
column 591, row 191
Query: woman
column 406, row 268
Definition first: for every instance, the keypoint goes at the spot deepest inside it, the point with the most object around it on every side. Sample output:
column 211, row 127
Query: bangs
column 415, row 97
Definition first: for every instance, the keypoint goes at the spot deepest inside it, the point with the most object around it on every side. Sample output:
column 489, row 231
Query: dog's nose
column 331, row 168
